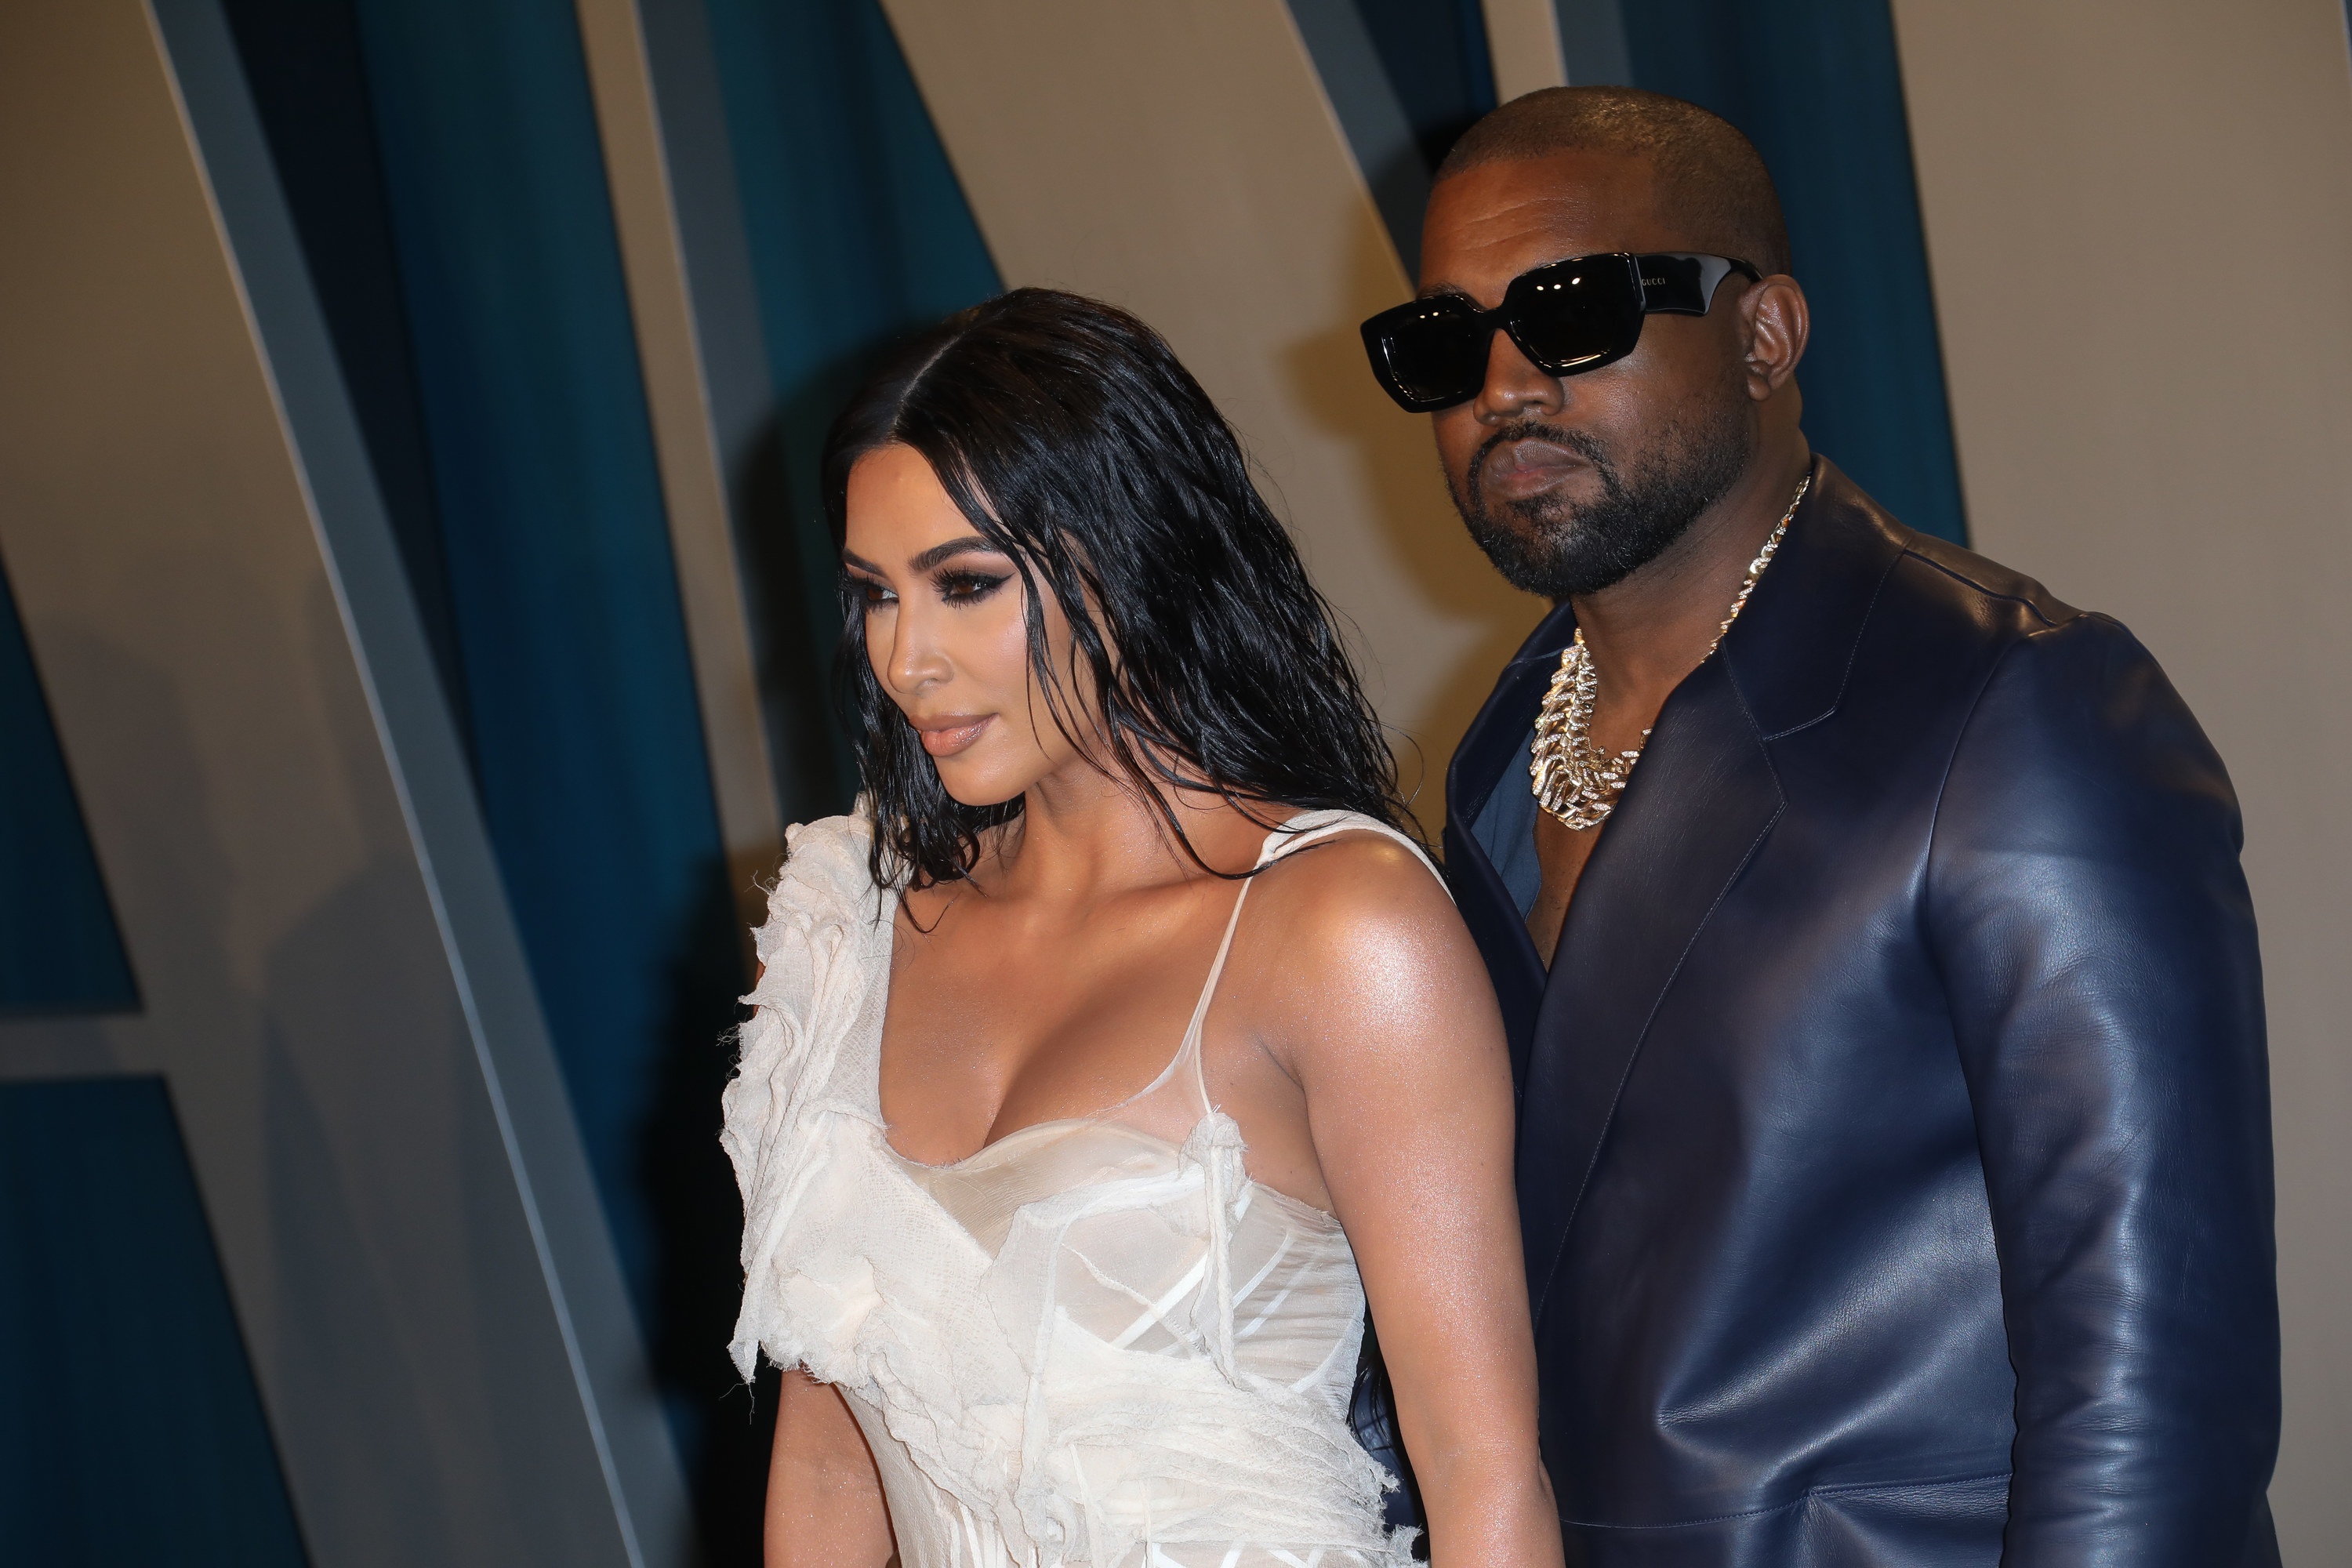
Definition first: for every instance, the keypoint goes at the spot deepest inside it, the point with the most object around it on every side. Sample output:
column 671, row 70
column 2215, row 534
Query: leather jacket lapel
column 1695, row 813
column 1698, row 809
column 1479, row 762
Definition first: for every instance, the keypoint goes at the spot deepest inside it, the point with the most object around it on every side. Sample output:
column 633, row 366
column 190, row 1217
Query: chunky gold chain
column 1574, row 779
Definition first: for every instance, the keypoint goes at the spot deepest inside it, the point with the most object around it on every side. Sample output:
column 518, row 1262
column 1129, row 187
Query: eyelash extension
column 955, row 588
column 967, row 587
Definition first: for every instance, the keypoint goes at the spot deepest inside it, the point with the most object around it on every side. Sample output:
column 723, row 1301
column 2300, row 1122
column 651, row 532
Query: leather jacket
column 1895, row 1134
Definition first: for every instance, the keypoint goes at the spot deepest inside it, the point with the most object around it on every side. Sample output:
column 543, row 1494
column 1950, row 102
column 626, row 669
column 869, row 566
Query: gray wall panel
column 331, row 982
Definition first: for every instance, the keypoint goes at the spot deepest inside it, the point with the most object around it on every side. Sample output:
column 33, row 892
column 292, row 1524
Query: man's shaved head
column 1707, row 182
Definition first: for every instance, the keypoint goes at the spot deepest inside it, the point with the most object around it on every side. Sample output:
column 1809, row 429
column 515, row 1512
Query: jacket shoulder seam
column 2038, row 613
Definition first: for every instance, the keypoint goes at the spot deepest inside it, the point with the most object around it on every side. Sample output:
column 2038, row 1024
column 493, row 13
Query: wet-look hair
column 1708, row 183
column 1069, row 435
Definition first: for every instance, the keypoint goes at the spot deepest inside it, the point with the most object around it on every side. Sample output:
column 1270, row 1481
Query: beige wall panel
column 1181, row 159
column 1522, row 42
column 2138, row 218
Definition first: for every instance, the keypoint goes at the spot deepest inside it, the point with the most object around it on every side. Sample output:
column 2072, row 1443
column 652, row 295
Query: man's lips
column 945, row 736
column 1517, row 469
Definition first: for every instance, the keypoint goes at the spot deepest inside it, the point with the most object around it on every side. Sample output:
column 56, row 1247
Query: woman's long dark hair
column 1070, row 437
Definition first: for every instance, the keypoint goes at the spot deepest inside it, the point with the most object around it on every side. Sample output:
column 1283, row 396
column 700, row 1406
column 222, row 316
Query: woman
column 1119, row 1029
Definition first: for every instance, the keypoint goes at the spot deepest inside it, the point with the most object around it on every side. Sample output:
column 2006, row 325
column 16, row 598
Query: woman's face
column 945, row 631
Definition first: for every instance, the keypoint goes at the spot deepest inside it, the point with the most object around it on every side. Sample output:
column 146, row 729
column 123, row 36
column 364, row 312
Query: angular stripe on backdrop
column 443, row 164
column 586, row 739
column 1817, row 85
column 59, row 949
column 1405, row 79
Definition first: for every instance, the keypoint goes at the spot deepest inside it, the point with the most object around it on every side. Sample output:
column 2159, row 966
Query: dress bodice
column 1086, row 1343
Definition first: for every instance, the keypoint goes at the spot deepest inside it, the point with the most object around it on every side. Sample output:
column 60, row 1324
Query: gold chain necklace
column 1574, row 779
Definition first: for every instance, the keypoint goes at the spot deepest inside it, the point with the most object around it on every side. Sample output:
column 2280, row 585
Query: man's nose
column 1514, row 387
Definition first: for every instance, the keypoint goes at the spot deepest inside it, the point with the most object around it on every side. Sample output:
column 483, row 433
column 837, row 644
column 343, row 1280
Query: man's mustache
column 1584, row 444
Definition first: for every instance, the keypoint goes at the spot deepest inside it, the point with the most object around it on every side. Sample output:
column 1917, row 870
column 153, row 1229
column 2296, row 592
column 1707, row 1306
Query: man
column 1895, row 1155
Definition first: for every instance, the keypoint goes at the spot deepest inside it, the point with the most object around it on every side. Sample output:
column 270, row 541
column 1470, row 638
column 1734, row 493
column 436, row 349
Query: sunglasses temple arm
column 1712, row 271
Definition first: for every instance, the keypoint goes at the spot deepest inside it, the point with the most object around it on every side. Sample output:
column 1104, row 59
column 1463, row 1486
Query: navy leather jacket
column 1895, row 1134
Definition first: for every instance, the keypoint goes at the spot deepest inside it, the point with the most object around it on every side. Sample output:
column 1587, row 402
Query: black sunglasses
column 1567, row 318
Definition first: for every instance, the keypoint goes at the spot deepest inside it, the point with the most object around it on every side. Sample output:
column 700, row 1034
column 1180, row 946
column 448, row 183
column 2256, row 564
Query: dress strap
column 1313, row 826
column 1307, row 827
column 1216, row 967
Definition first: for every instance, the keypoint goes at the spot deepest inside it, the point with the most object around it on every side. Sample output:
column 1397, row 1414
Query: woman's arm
column 824, row 1499
column 1392, row 1030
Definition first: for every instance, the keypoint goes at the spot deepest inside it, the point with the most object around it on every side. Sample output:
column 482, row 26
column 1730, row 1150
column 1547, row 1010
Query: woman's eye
column 873, row 594
column 967, row 587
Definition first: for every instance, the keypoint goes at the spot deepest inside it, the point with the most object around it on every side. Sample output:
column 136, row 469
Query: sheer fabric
column 1086, row 1343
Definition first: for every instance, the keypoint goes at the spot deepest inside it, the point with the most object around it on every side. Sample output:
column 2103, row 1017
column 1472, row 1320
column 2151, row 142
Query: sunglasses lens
column 1433, row 353
column 1577, row 315
column 1568, row 317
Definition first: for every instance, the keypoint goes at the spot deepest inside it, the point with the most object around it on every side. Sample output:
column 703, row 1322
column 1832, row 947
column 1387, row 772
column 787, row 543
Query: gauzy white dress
column 1097, row 1341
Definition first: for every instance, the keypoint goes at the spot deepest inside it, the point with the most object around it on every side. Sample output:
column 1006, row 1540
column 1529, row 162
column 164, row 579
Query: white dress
column 1086, row 1343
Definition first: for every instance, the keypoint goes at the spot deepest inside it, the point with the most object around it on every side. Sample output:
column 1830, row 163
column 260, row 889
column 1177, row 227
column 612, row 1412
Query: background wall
column 1214, row 193
column 395, row 1196
column 376, row 787
column 2137, row 216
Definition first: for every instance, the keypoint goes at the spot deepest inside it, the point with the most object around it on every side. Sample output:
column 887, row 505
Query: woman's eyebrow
column 948, row 551
column 851, row 558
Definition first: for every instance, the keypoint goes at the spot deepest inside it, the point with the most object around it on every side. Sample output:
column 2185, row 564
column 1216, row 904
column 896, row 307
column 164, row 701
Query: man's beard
column 1561, row 549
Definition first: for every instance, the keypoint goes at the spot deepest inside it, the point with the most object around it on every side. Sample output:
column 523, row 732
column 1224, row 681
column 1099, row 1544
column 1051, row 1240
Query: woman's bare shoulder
column 1359, row 958
column 1359, row 898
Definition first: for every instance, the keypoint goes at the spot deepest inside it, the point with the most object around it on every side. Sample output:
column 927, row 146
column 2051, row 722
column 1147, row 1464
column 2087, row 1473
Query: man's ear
column 1776, row 322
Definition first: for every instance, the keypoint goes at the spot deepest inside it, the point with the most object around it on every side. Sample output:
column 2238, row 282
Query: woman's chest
column 992, row 1026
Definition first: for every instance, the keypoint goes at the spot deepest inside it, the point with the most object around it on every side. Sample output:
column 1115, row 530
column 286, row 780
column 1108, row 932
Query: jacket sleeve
column 2085, row 903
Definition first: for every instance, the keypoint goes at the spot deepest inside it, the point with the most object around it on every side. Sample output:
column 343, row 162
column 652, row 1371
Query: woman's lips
column 946, row 737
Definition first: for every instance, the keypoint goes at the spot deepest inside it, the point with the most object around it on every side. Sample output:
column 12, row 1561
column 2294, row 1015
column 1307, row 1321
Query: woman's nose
column 917, row 662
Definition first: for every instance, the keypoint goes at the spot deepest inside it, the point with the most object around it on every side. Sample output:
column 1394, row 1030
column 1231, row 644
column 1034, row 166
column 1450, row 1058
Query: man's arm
column 2084, row 901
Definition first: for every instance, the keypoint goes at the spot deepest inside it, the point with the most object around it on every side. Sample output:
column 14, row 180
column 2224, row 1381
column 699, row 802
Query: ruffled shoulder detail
column 825, row 953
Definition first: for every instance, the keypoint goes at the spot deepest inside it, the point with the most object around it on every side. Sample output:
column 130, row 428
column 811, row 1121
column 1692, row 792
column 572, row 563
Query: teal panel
column 59, row 949
column 1405, row 79
column 585, row 733
column 858, row 234
column 579, row 693
column 131, row 1430
column 1818, row 86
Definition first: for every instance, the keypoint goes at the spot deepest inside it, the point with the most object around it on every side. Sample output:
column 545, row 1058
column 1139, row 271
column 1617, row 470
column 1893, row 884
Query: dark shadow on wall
column 785, row 551
column 60, row 947
column 303, row 66
column 775, row 549
column 689, row 1191
column 793, row 572
column 1405, row 79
